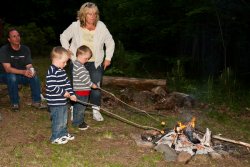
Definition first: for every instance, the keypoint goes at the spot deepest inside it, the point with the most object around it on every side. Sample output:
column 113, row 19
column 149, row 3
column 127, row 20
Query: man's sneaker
column 69, row 137
column 61, row 140
column 96, row 114
column 15, row 107
column 83, row 126
column 39, row 105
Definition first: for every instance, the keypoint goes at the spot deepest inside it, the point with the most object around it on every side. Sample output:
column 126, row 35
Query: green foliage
column 228, row 85
column 114, row 71
column 177, row 80
column 124, row 63
column 41, row 65
column 228, row 80
column 226, row 91
column 210, row 86
column 221, row 91
column 200, row 10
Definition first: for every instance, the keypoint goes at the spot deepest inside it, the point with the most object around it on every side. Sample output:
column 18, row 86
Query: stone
column 140, row 142
column 169, row 153
column 215, row 155
column 183, row 157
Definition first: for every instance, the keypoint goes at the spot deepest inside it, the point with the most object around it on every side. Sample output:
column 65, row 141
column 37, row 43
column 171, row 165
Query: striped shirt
column 81, row 78
column 57, row 83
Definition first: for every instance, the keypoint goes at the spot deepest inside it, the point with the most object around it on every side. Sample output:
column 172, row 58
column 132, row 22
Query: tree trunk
column 139, row 83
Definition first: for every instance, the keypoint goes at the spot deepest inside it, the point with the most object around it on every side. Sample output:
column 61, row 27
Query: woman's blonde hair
column 82, row 13
column 58, row 52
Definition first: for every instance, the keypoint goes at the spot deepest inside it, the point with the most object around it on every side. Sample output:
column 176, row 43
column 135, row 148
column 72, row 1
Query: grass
column 106, row 143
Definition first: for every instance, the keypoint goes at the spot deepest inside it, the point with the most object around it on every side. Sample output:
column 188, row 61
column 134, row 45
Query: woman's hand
column 106, row 63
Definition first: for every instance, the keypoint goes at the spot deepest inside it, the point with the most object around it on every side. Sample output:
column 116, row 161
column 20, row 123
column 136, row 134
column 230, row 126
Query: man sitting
column 16, row 68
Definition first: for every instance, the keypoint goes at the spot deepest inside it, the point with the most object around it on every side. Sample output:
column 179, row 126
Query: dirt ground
column 25, row 142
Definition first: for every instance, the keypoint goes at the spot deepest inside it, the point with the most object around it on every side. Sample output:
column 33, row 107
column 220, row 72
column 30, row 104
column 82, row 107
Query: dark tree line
column 206, row 35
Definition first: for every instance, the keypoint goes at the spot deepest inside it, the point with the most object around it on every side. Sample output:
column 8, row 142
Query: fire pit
column 184, row 138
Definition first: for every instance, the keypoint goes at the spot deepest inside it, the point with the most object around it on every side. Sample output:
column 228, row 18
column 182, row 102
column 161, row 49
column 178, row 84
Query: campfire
column 183, row 137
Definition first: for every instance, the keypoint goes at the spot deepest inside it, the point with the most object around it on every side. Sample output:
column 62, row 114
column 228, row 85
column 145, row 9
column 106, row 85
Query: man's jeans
column 79, row 110
column 96, row 77
column 59, row 116
column 13, row 80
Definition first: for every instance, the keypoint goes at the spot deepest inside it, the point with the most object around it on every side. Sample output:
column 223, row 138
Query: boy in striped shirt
column 82, row 85
column 58, row 90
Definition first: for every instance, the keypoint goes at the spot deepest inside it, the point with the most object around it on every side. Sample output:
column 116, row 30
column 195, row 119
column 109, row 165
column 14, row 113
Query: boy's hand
column 94, row 86
column 73, row 98
column 67, row 95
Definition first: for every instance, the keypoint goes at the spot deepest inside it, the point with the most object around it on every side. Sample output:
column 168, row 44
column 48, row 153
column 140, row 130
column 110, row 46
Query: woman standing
column 89, row 30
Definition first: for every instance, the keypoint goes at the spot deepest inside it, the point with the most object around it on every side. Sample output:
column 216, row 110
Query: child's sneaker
column 96, row 114
column 69, row 137
column 61, row 140
column 83, row 126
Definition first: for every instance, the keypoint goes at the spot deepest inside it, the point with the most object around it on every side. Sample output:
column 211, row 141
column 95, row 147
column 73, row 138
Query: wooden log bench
column 139, row 83
column 3, row 90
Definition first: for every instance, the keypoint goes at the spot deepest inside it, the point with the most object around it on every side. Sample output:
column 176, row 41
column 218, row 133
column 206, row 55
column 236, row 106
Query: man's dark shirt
column 18, row 59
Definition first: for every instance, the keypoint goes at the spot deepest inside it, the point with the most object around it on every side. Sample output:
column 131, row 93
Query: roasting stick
column 130, row 105
column 231, row 141
column 218, row 137
column 121, row 118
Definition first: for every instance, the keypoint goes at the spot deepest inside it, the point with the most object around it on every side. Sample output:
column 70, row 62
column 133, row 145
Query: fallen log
column 139, row 83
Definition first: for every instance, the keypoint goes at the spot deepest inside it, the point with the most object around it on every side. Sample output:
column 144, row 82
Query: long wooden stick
column 231, row 141
column 130, row 122
column 137, row 109
column 225, row 139
column 121, row 118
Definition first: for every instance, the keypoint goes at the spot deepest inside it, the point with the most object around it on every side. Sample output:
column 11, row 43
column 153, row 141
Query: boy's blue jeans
column 96, row 77
column 59, row 116
column 79, row 110
column 13, row 80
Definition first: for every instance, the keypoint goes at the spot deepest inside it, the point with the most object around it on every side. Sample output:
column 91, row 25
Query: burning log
column 206, row 140
column 188, row 130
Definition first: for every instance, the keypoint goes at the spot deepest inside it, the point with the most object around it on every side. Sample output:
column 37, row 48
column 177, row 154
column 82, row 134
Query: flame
column 192, row 122
column 180, row 127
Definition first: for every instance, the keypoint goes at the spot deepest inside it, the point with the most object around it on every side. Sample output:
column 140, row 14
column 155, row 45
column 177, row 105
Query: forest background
column 207, row 36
